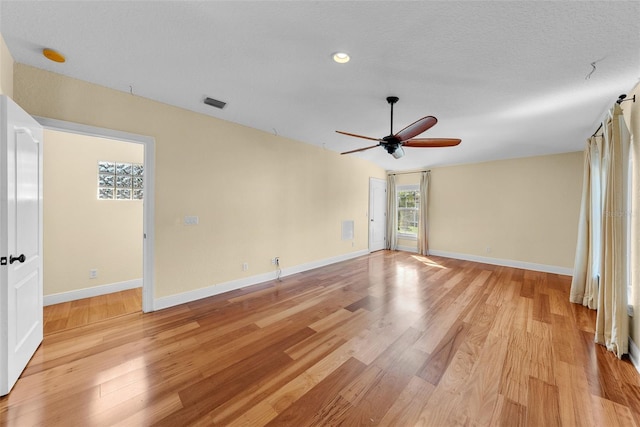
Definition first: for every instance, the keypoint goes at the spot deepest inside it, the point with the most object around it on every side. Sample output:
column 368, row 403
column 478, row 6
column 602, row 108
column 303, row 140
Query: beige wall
column 6, row 69
column 257, row 195
column 522, row 209
column 82, row 233
column 632, row 117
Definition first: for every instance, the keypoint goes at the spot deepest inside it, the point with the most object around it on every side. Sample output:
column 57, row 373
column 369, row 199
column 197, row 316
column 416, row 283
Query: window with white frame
column 408, row 204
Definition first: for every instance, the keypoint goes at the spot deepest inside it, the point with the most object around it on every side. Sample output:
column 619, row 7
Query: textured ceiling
column 508, row 78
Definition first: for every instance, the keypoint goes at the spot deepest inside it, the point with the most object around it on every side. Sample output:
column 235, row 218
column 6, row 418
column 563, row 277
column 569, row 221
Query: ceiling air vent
column 214, row 103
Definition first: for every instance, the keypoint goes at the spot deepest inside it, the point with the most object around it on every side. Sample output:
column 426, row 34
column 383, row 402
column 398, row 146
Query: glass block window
column 120, row 181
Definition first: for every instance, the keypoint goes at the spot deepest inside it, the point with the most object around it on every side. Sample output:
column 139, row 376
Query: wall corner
column 6, row 69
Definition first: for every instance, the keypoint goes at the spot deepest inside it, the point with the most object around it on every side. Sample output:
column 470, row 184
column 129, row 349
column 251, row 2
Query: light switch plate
column 190, row 220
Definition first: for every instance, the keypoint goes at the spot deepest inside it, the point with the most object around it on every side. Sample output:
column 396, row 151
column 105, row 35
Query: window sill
column 407, row 236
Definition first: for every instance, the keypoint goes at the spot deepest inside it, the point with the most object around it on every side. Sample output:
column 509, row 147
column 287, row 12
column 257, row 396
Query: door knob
column 20, row 258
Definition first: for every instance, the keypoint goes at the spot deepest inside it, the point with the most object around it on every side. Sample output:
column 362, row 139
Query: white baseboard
column 185, row 297
column 92, row 292
column 408, row 249
column 504, row 262
column 634, row 354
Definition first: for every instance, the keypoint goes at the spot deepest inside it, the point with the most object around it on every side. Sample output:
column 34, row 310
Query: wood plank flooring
column 391, row 339
column 82, row 312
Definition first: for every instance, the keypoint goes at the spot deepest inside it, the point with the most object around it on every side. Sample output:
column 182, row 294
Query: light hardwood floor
column 82, row 312
column 387, row 339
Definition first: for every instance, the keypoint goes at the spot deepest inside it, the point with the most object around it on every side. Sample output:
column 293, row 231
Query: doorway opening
column 120, row 225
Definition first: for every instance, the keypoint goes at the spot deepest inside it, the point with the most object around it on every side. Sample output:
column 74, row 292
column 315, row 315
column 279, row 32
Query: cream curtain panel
column 392, row 214
column 601, row 270
column 423, row 222
column 612, row 321
column 584, row 285
column 634, row 244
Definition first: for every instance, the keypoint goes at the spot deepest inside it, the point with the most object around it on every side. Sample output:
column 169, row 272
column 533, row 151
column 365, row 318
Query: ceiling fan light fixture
column 341, row 57
column 398, row 152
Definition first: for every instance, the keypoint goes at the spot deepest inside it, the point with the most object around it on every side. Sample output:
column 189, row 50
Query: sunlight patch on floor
column 428, row 262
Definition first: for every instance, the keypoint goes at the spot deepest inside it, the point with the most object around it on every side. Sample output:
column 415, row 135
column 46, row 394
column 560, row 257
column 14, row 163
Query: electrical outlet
column 488, row 249
column 93, row 273
column 245, row 266
column 275, row 261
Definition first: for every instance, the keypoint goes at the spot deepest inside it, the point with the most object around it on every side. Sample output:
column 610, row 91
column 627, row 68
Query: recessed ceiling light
column 341, row 57
column 53, row 55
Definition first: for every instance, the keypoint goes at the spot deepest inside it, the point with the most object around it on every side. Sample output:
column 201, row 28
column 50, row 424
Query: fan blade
column 359, row 136
column 416, row 128
column 360, row 149
column 431, row 142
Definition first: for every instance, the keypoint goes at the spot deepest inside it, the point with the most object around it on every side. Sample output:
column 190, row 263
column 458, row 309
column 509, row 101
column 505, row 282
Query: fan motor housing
column 391, row 139
column 391, row 147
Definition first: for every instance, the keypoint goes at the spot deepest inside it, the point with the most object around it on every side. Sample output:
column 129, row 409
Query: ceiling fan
column 393, row 143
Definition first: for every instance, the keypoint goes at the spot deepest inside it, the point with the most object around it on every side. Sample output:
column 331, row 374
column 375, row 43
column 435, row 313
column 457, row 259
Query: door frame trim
column 148, row 203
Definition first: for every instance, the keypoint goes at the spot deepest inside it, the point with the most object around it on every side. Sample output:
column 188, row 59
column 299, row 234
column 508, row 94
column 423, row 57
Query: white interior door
column 20, row 241
column 377, row 214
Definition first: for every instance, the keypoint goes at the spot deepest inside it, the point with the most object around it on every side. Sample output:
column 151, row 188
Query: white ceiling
column 508, row 78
